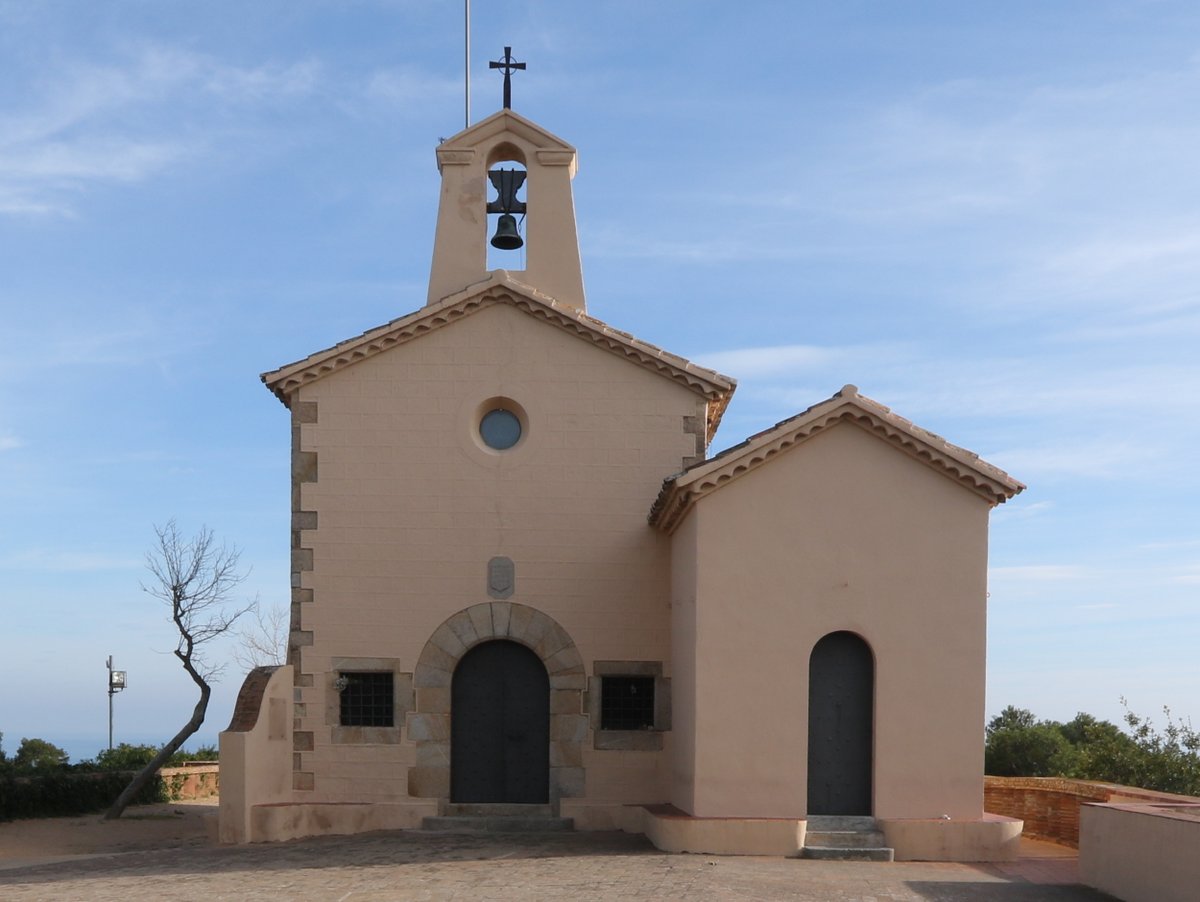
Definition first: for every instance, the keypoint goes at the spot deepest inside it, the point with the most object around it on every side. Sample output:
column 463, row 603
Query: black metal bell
column 507, row 238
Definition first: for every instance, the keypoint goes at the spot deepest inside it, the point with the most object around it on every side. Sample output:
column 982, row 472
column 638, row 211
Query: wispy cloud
column 1188, row 576
column 64, row 162
column 9, row 442
column 1060, row 195
column 1174, row 545
column 85, row 348
column 913, row 380
column 1145, row 321
column 67, row 561
column 789, row 360
column 1083, row 460
column 1016, row 510
column 1102, row 258
column 409, row 85
column 1042, row 573
column 626, row 241
column 270, row 82
column 124, row 121
column 142, row 457
column 1139, row 279
column 1011, row 145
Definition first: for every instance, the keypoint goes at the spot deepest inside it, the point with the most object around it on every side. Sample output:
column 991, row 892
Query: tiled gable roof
column 681, row 491
column 502, row 288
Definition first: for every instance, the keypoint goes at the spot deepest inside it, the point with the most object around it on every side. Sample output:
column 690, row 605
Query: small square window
column 627, row 703
column 368, row 700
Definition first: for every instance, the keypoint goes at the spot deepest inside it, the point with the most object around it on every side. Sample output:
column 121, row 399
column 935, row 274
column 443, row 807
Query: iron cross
column 508, row 64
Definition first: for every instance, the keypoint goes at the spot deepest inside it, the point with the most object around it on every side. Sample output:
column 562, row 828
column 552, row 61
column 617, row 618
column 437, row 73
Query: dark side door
column 841, row 696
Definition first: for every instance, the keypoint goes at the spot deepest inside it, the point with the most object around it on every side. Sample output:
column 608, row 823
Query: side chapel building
column 518, row 579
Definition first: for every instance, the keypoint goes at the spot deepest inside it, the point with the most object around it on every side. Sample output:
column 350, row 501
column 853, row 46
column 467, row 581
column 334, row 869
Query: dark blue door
column 841, row 696
column 500, row 726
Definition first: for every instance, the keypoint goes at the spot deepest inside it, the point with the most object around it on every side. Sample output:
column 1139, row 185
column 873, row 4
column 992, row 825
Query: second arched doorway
column 500, row 726
column 841, row 702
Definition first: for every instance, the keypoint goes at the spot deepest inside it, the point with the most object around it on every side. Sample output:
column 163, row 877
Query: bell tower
column 482, row 168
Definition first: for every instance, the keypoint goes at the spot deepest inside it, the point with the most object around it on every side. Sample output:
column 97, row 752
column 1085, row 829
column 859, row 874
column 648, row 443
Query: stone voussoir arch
column 429, row 724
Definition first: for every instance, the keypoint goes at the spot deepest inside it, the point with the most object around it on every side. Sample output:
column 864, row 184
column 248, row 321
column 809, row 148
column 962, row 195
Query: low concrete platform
column 577, row 866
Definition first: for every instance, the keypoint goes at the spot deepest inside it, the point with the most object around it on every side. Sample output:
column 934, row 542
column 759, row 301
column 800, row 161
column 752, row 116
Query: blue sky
column 985, row 215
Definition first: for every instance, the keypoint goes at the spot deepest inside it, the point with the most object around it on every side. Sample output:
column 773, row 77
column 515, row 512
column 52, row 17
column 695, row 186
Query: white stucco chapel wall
column 411, row 507
column 630, row 553
column 840, row 532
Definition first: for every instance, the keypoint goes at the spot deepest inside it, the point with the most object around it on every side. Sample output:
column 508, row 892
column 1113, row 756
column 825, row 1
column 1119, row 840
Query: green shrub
column 66, row 792
column 1019, row 745
column 38, row 781
column 125, row 757
column 128, row 757
column 1039, row 750
column 37, row 756
column 203, row 753
column 1168, row 761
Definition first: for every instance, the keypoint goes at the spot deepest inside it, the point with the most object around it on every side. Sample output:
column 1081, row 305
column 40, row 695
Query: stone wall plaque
column 501, row 577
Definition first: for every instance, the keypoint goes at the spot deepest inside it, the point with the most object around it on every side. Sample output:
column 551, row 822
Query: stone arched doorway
column 841, row 703
column 430, row 724
column 500, row 726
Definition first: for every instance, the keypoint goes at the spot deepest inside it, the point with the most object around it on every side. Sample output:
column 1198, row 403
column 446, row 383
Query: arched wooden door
column 841, row 701
column 500, row 726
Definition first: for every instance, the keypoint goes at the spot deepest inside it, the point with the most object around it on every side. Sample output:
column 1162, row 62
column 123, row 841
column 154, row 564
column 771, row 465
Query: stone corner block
column 568, row 727
column 568, row 681
column 567, row 782
column 501, row 618
column 429, row 782
column 423, row 727
column 481, row 621
column 565, row 660
column 519, row 618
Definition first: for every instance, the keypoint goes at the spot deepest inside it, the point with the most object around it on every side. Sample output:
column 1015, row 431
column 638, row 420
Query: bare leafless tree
column 194, row 577
column 262, row 637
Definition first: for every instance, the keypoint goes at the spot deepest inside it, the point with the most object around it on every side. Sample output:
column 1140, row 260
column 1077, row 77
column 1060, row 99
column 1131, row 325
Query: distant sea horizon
column 86, row 747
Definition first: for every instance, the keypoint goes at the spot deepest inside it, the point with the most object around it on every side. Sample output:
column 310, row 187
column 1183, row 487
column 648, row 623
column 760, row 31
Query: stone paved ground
column 575, row 866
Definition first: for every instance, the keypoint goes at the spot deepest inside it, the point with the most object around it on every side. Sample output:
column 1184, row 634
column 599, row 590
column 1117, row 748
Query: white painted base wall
column 1141, row 853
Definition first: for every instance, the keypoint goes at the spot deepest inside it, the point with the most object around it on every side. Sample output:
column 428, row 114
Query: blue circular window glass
column 500, row 429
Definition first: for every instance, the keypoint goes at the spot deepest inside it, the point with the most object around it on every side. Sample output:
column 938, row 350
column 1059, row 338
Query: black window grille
column 368, row 700
column 627, row 703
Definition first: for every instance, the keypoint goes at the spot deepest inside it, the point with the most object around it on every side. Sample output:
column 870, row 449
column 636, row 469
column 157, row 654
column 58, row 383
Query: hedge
column 66, row 793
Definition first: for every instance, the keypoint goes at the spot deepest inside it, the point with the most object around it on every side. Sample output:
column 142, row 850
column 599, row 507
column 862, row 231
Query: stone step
column 829, row 854
column 500, row 823
column 495, row 809
column 844, row 839
column 827, row 822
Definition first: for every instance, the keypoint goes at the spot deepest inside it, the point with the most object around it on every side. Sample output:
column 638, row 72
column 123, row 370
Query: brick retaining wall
column 1050, row 805
column 192, row 781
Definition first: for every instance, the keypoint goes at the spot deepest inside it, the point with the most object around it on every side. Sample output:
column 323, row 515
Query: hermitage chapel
column 524, row 593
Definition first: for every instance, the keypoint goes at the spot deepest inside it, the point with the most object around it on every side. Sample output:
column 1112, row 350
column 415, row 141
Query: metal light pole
column 467, row 57
column 116, row 682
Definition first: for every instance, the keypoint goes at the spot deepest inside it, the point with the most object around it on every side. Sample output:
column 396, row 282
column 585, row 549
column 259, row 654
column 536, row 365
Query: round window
column 500, row 429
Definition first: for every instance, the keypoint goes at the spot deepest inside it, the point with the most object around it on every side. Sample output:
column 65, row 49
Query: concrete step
column 495, row 809
column 501, row 823
column 844, row 839
column 825, row 854
column 824, row 822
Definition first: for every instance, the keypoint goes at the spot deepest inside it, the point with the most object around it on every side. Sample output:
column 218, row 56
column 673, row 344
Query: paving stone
column 576, row 866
